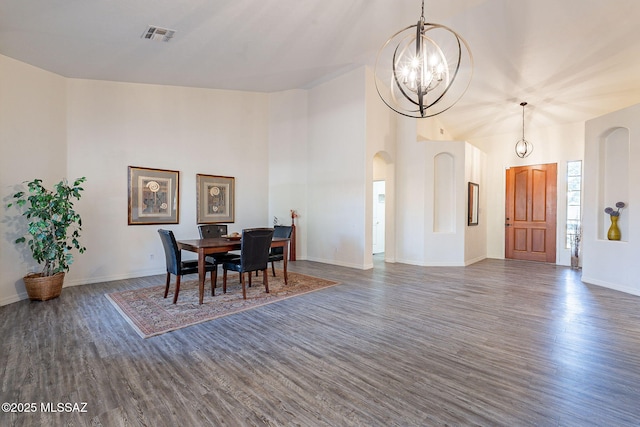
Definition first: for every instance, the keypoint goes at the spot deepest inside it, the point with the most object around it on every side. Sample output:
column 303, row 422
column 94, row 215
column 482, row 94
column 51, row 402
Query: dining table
column 213, row 245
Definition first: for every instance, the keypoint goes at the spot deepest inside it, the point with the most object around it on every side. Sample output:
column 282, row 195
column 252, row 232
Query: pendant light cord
column 523, row 105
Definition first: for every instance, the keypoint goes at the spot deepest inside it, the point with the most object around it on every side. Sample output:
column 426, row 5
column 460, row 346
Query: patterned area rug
column 150, row 314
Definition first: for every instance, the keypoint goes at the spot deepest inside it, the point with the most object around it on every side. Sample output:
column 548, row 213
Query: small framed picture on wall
column 215, row 199
column 153, row 196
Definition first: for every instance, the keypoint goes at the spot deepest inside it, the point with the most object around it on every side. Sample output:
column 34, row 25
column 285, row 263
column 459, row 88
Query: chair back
column 171, row 251
column 281, row 231
column 212, row 230
column 254, row 254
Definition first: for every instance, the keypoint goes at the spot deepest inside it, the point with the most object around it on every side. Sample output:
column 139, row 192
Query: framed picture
column 153, row 196
column 474, row 193
column 216, row 199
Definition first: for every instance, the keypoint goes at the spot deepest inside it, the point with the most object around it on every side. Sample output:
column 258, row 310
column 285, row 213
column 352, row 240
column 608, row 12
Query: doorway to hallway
column 378, row 217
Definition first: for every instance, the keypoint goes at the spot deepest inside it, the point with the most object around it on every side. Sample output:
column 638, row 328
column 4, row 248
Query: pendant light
column 423, row 70
column 523, row 147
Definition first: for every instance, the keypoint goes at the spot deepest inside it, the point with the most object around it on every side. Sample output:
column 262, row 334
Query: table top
column 220, row 243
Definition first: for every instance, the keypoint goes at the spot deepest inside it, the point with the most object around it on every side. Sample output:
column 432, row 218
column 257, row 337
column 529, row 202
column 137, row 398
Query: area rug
column 150, row 314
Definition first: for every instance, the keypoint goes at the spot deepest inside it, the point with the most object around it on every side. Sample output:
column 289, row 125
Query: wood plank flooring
column 498, row 343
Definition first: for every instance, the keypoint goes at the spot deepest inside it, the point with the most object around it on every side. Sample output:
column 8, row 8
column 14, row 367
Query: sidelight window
column 574, row 199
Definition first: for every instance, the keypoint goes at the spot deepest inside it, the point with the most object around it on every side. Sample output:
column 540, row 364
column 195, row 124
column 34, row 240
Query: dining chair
column 177, row 267
column 277, row 254
column 216, row 230
column 212, row 230
column 254, row 256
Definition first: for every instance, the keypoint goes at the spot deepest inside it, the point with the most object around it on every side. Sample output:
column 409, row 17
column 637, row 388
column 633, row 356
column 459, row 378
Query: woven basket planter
column 42, row 288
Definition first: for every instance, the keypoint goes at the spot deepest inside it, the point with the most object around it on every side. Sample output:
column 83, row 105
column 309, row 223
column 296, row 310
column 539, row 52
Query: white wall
column 613, row 264
column 444, row 205
column 431, row 209
column 337, row 163
column 559, row 145
column 414, row 174
column 381, row 148
column 475, row 242
column 432, row 129
column 411, row 175
column 32, row 145
column 108, row 126
column 288, row 151
column 115, row 125
column 60, row 127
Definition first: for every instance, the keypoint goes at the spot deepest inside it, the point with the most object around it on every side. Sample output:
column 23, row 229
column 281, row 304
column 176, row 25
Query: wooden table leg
column 285, row 253
column 202, row 274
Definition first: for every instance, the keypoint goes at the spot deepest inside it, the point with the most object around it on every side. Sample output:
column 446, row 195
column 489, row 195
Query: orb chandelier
column 523, row 147
column 423, row 70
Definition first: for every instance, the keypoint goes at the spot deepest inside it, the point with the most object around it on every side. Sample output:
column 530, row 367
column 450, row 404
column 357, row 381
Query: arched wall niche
column 613, row 178
column 444, row 193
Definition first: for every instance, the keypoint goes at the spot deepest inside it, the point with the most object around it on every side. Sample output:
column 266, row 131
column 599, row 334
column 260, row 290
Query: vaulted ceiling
column 571, row 60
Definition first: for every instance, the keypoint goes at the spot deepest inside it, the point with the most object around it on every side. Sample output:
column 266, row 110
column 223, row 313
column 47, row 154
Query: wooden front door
column 530, row 214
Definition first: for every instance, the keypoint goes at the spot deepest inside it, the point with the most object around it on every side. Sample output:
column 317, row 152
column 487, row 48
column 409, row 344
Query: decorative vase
column 42, row 288
column 614, row 231
column 575, row 262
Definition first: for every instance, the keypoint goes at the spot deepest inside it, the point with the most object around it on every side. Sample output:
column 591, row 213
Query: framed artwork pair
column 154, row 197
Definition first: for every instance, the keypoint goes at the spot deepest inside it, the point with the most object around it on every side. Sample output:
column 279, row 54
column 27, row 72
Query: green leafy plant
column 53, row 224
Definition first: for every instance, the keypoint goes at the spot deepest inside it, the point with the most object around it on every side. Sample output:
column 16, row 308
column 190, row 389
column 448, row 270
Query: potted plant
column 575, row 238
column 53, row 231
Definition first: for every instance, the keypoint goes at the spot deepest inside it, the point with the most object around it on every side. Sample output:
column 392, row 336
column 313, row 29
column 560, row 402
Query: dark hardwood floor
column 498, row 343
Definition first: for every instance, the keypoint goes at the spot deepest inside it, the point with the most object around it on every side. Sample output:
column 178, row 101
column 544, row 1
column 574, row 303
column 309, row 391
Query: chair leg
column 166, row 289
column 224, row 281
column 249, row 278
column 175, row 296
column 244, row 290
column 213, row 281
column 265, row 275
column 273, row 269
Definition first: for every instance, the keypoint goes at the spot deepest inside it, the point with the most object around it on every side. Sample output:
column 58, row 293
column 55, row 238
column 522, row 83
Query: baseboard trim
column 609, row 285
column 341, row 264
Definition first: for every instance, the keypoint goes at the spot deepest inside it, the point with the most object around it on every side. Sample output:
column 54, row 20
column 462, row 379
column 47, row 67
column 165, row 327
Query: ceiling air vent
column 158, row 33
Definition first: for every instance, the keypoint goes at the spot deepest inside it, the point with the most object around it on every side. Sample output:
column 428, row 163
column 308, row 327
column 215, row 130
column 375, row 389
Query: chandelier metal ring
column 421, row 75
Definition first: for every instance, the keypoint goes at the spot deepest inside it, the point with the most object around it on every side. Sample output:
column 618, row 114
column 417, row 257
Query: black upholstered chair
column 277, row 254
column 254, row 256
column 177, row 267
column 212, row 230
column 216, row 230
